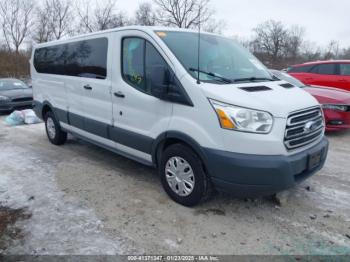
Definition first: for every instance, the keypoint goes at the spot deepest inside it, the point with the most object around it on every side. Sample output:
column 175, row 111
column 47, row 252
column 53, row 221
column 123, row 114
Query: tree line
column 279, row 46
column 25, row 22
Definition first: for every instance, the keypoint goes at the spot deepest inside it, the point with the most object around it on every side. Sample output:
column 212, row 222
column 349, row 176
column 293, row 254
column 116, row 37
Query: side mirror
column 159, row 80
column 165, row 85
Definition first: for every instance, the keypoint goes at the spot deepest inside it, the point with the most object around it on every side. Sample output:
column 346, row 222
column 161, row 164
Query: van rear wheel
column 53, row 130
column 183, row 176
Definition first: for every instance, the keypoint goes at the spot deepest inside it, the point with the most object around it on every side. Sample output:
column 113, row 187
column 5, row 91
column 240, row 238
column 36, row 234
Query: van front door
column 139, row 117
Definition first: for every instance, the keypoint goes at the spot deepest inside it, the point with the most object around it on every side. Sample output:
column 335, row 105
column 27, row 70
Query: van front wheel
column 53, row 130
column 183, row 176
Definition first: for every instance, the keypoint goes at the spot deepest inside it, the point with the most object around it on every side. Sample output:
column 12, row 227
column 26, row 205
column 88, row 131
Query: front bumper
column 245, row 175
column 10, row 106
column 336, row 120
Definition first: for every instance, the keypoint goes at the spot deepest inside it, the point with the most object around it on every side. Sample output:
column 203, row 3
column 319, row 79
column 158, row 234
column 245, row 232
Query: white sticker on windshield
column 17, row 84
column 257, row 63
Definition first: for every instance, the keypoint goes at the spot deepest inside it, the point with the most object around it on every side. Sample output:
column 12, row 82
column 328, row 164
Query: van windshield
column 221, row 59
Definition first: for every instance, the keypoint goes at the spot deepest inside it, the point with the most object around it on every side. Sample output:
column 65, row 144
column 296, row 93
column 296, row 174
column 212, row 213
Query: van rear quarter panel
column 49, row 88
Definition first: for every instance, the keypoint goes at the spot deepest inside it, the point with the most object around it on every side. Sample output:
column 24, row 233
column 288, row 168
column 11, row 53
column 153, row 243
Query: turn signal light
column 225, row 121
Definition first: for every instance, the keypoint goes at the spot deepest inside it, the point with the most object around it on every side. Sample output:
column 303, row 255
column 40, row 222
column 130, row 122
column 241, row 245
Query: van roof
column 148, row 29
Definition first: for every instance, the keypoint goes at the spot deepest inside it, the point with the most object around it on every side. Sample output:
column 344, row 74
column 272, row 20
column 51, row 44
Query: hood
column 327, row 95
column 16, row 93
column 278, row 100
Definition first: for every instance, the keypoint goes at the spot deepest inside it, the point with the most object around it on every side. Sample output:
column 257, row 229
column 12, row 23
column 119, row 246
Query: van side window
column 133, row 62
column 141, row 61
column 87, row 58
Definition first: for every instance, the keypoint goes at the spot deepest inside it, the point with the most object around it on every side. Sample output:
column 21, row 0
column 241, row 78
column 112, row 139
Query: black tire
column 59, row 137
column 202, row 186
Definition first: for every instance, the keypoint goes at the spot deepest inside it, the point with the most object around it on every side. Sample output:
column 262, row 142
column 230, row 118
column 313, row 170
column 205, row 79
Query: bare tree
column 332, row 50
column 120, row 19
column 183, row 13
column 16, row 22
column 100, row 15
column 214, row 26
column 42, row 32
column 60, row 17
column 345, row 53
column 271, row 38
column 145, row 15
column 294, row 41
column 310, row 52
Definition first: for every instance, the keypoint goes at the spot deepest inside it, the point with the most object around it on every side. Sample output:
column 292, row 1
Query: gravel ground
column 80, row 199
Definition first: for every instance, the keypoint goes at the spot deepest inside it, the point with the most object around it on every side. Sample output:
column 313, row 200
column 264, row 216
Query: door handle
column 119, row 94
column 87, row 87
column 342, row 80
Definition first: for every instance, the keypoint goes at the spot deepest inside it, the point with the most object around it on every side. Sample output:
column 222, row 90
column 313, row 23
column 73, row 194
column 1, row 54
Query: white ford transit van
column 218, row 119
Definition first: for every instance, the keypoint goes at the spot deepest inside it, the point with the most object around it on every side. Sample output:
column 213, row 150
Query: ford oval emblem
column 310, row 126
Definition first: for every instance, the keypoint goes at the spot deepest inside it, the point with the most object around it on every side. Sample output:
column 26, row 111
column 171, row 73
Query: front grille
column 22, row 99
column 303, row 128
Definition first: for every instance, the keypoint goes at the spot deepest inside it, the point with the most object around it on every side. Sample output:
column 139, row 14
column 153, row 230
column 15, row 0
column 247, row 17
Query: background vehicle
column 14, row 94
column 335, row 102
column 323, row 73
column 140, row 92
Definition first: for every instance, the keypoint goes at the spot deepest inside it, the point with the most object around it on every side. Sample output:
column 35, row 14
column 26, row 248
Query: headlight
column 242, row 119
column 4, row 99
column 335, row 107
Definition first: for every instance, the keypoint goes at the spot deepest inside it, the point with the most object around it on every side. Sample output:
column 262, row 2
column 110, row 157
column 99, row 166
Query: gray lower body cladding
column 242, row 175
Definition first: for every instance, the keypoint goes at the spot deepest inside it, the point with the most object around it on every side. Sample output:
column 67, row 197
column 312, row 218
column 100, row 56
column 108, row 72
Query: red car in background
column 323, row 73
column 335, row 102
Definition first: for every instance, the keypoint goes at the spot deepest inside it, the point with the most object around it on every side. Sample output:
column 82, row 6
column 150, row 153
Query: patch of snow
column 328, row 197
column 59, row 224
column 171, row 243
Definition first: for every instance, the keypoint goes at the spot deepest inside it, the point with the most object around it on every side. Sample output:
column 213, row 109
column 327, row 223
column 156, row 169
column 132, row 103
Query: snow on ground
column 86, row 200
column 59, row 225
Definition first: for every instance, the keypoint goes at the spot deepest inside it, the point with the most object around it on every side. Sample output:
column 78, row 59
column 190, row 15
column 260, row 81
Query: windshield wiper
column 252, row 79
column 223, row 79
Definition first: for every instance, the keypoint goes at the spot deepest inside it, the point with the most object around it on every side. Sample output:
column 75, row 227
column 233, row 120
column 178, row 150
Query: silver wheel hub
column 50, row 126
column 179, row 175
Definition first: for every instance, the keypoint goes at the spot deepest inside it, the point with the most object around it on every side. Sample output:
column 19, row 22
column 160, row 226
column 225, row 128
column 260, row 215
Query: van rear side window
column 86, row 58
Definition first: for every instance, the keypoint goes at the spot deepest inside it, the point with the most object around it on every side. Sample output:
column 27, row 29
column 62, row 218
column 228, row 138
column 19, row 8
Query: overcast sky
column 323, row 20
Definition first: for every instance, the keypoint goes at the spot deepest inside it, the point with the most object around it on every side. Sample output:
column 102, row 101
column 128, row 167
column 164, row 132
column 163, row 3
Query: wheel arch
column 42, row 108
column 173, row 137
column 46, row 108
